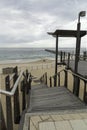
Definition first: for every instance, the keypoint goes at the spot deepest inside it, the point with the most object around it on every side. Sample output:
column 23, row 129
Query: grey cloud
column 29, row 20
column 61, row 8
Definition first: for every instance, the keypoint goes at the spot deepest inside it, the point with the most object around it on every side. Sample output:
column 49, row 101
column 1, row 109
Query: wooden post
column 66, row 79
column 23, row 95
column 85, row 93
column 76, row 83
column 73, row 82
column 64, row 57
column 2, row 119
column 16, row 101
column 27, row 73
column 55, row 80
column 61, row 56
column 8, row 106
column 84, row 55
column 56, row 60
column 46, row 78
column 59, row 80
column 50, row 82
column 68, row 60
column 30, row 80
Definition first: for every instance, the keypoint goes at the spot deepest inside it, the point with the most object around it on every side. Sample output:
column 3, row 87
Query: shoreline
column 29, row 64
column 24, row 61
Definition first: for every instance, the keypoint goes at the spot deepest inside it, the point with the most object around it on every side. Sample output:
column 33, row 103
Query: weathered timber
column 2, row 119
column 52, row 99
column 16, row 103
column 8, row 105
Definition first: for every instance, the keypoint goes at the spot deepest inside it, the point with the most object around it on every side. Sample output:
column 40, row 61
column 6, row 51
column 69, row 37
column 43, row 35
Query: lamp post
column 81, row 14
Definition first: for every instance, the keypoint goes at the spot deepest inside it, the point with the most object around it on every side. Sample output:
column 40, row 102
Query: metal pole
column 78, row 42
column 56, row 57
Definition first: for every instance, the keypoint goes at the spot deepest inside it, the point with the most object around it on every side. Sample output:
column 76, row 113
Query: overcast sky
column 25, row 23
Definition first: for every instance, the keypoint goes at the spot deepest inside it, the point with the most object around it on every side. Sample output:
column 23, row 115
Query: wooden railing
column 15, row 98
column 67, row 79
column 43, row 78
column 68, row 56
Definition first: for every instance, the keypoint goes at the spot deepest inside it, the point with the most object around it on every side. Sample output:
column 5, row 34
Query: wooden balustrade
column 25, row 84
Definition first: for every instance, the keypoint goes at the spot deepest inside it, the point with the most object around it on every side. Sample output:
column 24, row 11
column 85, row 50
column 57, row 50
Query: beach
column 37, row 69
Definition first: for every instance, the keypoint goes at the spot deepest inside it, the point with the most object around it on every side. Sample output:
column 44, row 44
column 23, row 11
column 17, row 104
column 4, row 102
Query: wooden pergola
column 68, row 33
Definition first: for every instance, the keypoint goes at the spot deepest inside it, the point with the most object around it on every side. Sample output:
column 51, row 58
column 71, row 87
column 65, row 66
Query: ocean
column 12, row 55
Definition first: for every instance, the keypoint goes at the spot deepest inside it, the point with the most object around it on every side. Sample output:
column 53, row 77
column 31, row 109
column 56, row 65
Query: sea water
column 13, row 55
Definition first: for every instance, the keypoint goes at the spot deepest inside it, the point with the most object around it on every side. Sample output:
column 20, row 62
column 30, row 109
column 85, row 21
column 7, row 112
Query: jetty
column 40, row 100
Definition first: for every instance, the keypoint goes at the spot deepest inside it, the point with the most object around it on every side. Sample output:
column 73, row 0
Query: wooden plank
column 56, row 117
column 32, row 127
column 60, row 125
column 47, row 126
column 36, row 120
column 54, row 98
column 63, row 125
column 78, row 125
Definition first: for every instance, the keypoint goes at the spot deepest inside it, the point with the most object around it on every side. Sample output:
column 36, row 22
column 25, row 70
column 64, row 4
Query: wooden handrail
column 14, row 87
column 77, row 75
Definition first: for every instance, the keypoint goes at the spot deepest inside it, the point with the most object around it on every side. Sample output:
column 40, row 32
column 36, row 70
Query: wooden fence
column 13, row 100
column 66, row 80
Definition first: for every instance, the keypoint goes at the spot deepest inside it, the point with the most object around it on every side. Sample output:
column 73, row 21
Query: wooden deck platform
column 55, row 102
column 53, row 99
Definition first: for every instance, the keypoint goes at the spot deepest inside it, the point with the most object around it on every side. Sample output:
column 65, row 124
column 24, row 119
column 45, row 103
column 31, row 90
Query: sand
column 37, row 69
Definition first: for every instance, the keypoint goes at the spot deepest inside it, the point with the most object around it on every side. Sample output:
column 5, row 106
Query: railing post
column 16, row 101
column 76, row 86
column 64, row 57
column 23, row 95
column 46, row 78
column 85, row 93
column 74, row 83
column 61, row 56
column 50, row 82
column 58, row 79
column 30, row 80
column 84, row 55
column 27, row 80
column 2, row 119
column 55, row 80
column 8, row 106
column 66, row 78
column 68, row 60
column 27, row 73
